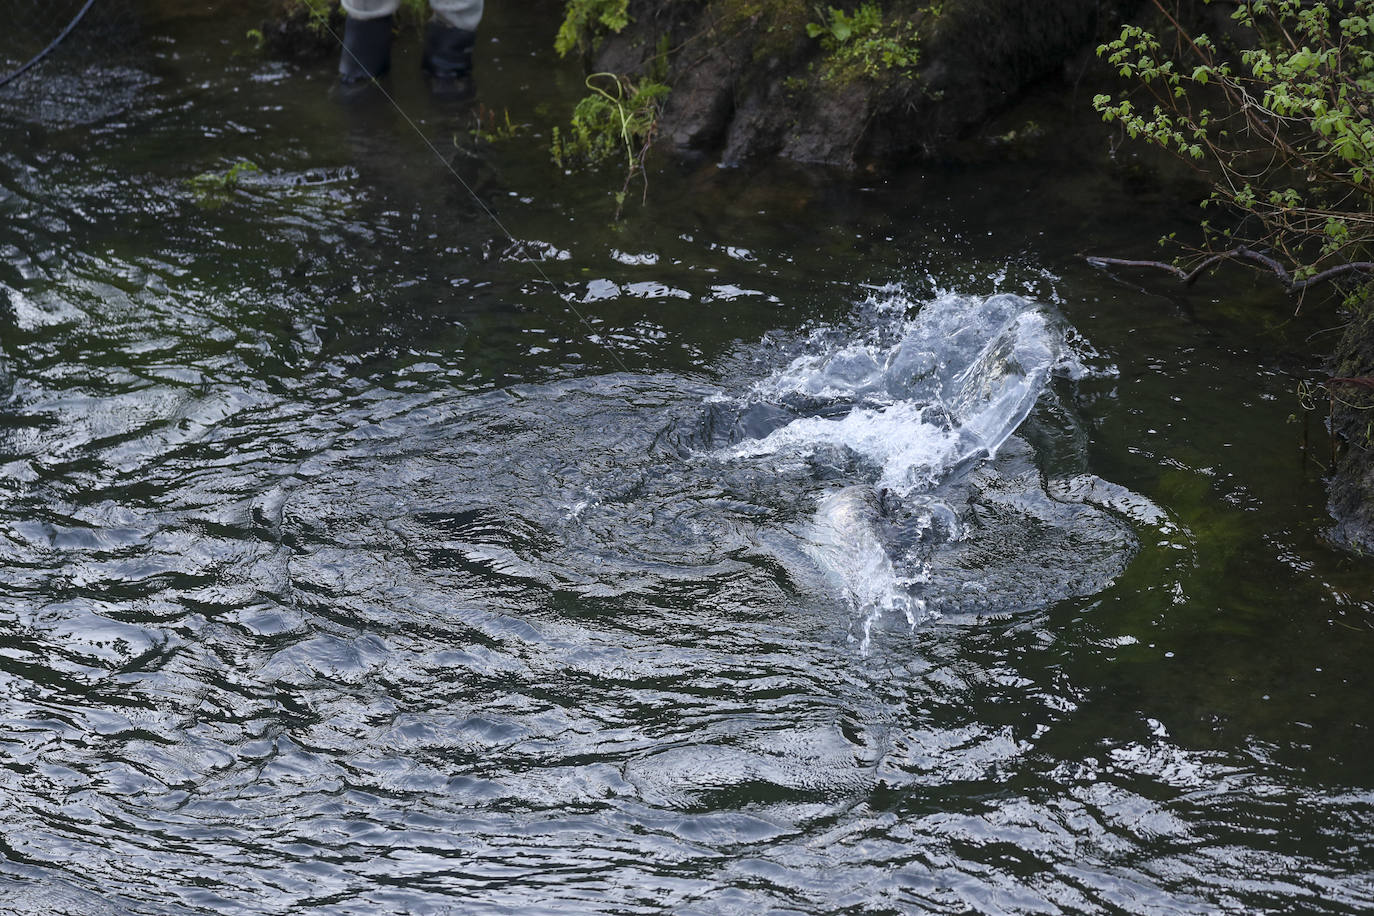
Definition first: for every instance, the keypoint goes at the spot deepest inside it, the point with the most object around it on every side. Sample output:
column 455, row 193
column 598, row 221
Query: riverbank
column 755, row 80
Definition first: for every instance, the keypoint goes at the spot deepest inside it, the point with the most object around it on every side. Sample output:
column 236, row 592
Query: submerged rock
column 758, row 79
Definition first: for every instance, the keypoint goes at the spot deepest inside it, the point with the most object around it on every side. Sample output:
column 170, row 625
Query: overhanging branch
column 1241, row 253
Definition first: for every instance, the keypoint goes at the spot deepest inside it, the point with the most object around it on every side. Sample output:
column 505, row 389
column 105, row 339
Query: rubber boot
column 366, row 49
column 448, row 51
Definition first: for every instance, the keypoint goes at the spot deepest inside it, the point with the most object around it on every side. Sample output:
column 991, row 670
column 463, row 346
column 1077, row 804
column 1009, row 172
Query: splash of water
column 921, row 407
column 926, row 396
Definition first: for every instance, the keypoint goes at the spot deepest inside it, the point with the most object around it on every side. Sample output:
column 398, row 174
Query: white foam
column 926, row 395
column 923, row 399
column 911, row 452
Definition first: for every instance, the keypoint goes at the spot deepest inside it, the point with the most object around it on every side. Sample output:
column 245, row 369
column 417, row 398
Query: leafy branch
column 1282, row 129
column 583, row 20
column 864, row 42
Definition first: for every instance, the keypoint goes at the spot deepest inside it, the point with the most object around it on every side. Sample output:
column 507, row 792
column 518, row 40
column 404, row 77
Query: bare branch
column 1240, row 253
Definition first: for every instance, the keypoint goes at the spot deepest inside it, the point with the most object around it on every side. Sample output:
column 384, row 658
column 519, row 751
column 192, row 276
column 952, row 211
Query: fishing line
column 62, row 36
column 594, row 336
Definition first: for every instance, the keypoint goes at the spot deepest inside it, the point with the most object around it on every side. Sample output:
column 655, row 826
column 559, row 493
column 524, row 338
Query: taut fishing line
column 61, row 37
column 594, row 335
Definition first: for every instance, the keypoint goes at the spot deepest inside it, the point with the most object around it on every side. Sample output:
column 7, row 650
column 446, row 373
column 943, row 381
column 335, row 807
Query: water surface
column 792, row 545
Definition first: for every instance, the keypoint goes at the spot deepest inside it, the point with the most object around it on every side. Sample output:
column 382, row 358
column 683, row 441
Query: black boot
column 366, row 49
column 448, row 50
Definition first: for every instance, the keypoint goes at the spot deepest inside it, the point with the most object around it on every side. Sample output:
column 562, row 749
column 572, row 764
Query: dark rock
column 1351, row 486
column 981, row 56
column 749, row 83
column 702, row 104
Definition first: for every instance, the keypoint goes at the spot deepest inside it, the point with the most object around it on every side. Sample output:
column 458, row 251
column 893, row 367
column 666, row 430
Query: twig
column 1240, row 253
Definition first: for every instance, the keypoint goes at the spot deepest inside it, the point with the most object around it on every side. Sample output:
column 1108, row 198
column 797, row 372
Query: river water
column 801, row 545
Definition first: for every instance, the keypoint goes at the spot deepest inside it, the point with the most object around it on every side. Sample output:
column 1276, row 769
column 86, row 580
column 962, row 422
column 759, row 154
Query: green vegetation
column 492, row 128
column 211, row 189
column 1280, row 122
column 319, row 11
column 584, row 20
column 414, row 12
column 864, row 43
column 618, row 117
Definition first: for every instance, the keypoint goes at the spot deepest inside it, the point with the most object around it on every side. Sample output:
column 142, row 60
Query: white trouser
column 461, row 14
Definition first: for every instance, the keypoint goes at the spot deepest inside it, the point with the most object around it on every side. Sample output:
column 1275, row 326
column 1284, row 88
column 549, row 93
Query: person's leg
column 450, row 37
column 367, row 39
column 461, row 14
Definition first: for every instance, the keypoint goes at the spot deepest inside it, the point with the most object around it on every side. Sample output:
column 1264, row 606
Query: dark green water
column 345, row 569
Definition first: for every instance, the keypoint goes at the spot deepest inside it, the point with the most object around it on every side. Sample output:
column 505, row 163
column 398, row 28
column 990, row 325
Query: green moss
column 777, row 24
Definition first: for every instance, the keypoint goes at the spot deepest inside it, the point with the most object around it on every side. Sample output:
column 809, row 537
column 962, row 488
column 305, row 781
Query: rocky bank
column 750, row 80
column 1352, row 419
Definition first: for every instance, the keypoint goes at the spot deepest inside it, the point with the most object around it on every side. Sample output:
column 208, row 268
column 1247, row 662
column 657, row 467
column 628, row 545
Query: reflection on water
column 340, row 571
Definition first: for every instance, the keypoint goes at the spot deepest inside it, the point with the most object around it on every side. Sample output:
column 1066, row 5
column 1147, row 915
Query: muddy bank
column 752, row 80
